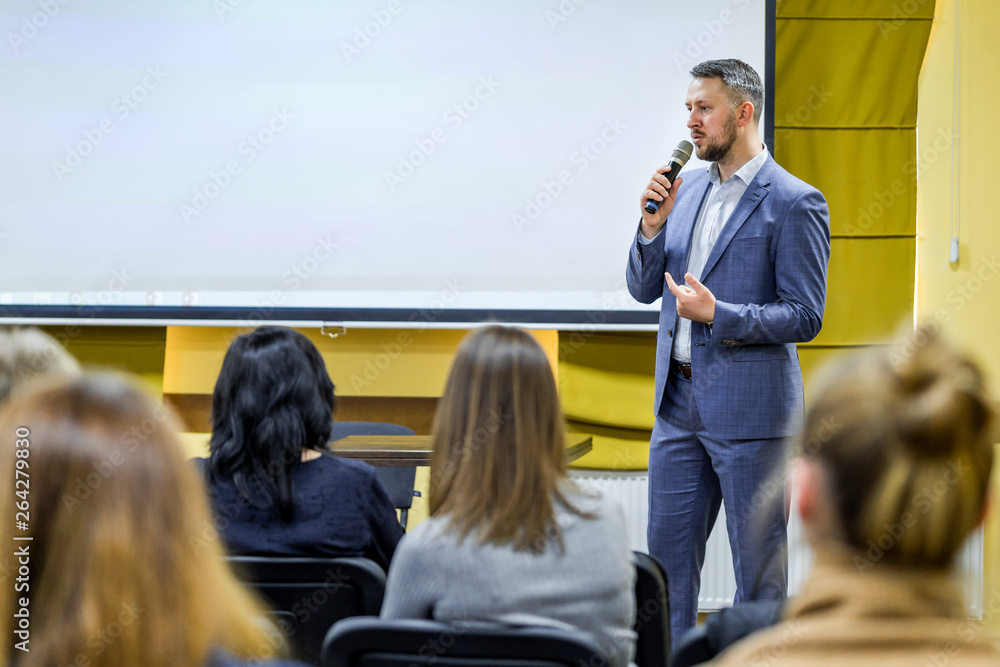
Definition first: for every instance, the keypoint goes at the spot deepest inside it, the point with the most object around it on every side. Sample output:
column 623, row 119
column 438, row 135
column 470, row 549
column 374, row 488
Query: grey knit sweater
column 588, row 585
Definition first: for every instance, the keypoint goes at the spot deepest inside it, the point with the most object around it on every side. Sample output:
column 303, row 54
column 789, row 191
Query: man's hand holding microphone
column 659, row 196
column 694, row 300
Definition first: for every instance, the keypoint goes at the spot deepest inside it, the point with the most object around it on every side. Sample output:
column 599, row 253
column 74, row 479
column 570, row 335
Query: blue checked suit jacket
column 768, row 274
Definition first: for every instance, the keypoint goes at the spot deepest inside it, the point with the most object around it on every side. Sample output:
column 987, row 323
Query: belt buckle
column 684, row 370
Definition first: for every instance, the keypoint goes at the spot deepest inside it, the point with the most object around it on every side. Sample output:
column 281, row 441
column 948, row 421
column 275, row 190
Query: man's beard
column 715, row 151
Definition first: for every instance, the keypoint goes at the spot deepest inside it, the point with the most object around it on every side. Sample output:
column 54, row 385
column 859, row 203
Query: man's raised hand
column 696, row 303
column 660, row 190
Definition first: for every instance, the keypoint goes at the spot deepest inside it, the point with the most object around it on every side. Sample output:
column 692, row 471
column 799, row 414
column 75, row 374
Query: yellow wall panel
column 363, row 362
column 846, row 73
column 873, row 195
column 869, row 290
column 893, row 10
column 607, row 378
column 963, row 298
column 137, row 350
column 617, row 449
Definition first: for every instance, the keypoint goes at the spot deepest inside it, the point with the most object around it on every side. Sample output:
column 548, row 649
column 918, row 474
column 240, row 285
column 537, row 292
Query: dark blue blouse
column 341, row 509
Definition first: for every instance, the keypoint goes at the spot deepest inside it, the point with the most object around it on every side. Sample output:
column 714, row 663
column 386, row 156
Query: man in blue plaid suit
column 739, row 253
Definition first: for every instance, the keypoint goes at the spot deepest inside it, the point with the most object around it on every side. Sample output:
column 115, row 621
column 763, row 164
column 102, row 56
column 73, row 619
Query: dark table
column 415, row 450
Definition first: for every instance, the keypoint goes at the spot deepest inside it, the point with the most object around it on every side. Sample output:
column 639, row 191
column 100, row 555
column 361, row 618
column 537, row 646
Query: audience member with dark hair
column 276, row 488
column 27, row 354
column 892, row 476
column 510, row 538
column 107, row 575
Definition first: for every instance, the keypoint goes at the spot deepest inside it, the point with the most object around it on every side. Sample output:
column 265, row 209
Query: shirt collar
column 746, row 173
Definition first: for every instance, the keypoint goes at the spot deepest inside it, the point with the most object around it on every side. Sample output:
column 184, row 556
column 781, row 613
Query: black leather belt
column 683, row 369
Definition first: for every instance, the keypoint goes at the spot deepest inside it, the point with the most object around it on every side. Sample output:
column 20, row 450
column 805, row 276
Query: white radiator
column 718, row 583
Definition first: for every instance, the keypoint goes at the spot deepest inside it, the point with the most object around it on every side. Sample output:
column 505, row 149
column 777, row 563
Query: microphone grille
column 683, row 152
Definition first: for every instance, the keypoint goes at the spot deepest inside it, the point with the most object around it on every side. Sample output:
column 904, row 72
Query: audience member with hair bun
column 510, row 538
column 276, row 488
column 892, row 476
column 109, row 575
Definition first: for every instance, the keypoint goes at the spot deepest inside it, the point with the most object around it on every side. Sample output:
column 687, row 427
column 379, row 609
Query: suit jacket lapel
column 751, row 199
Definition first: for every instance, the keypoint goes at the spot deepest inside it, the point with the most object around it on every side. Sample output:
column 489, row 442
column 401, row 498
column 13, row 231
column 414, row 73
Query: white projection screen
column 361, row 161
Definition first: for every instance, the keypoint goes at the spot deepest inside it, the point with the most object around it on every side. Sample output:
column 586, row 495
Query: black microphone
column 678, row 159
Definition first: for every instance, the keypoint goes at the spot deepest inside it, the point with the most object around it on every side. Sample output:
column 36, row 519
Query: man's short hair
column 741, row 81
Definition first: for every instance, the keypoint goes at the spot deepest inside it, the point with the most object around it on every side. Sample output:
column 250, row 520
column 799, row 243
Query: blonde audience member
column 27, row 354
column 109, row 575
column 892, row 476
column 510, row 538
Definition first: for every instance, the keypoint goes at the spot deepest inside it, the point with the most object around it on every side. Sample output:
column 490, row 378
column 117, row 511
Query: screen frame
column 623, row 320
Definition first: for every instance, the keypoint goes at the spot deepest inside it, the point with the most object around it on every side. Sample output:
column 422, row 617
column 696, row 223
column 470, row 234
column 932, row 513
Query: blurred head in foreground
column 499, row 443
column 27, row 354
column 896, row 454
column 112, row 574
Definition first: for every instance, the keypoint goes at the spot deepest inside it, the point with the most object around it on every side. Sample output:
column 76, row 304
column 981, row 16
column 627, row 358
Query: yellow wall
column 964, row 295
column 361, row 362
column 138, row 350
column 964, row 298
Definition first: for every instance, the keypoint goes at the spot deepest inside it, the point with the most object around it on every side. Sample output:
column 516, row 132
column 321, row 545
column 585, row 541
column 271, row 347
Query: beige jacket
column 881, row 616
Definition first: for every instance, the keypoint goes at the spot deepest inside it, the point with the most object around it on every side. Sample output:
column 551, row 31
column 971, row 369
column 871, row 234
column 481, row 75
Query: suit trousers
column 690, row 474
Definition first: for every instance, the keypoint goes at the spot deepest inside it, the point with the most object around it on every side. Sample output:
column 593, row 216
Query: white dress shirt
column 712, row 216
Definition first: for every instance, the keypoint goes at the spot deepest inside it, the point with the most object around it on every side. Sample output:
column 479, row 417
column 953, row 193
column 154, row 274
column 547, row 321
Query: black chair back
column 397, row 480
column 652, row 617
column 373, row 642
column 308, row 595
column 694, row 647
column 724, row 628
